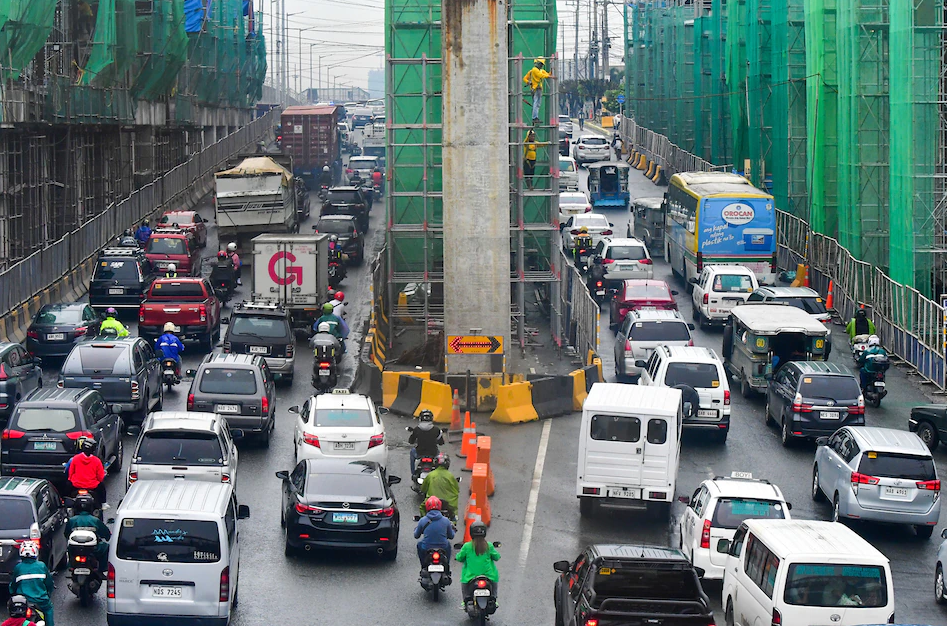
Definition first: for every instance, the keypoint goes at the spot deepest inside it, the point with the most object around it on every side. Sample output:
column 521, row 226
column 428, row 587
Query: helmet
column 339, row 296
column 432, row 504
column 169, row 327
column 426, row 416
column 584, row 229
column 86, row 444
column 85, row 502
column 597, row 260
column 231, row 247
column 324, row 327
column 17, row 606
column 539, row 60
column 29, row 550
column 147, row 222
column 874, row 340
column 221, row 255
column 172, row 267
column 127, row 233
column 478, row 529
column 325, row 168
column 861, row 313
column 327, row 308
column 333, row 238
column 111, row 312
column 442, row 460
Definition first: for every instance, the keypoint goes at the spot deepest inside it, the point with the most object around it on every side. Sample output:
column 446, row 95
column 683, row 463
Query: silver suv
column 643, row 331
column 880, row 475
column 181, row 445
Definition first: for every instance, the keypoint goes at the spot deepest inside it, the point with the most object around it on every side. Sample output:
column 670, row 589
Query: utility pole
column 593, row 43
column 575, row 64
column 606, row 42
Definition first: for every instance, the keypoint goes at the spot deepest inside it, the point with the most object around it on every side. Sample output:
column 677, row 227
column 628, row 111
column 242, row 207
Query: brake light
column 859, row 409
column 3, row 372
column 32, row 334
column 311, row 440
column 645, row 261
column 588, row 208
column 777, row 618
column 136, row 391
column 190, row 402
column 75, row 436
column 864, row 479
column 483, row 583
column 799, row 407
column 225, row 478
column 305, row 509
column 132, row 477
column 607, row 232
column 591, row 622
column 110, row 585
column 726, row 397
column 225, row 584
column 607, row 261
column 436, row 557
column 290, row 351
column 323, row 365
column 389, row 512
column 226, row 347
column 929, row 485
column 60, row 384
column 80, row 559
column 203, row 309
column 81, row 331
column 376, row 440
column 265, row 405
column 706, row 299
column 628, row 345
column 12, row 434
column 598, row 283
column 141, row 314
column 705, row 535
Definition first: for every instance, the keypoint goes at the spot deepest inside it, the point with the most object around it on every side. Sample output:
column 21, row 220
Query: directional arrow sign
column 474, row 344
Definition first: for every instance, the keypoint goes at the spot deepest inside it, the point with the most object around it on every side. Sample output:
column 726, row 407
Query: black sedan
column 57, row 328
column 339, row 504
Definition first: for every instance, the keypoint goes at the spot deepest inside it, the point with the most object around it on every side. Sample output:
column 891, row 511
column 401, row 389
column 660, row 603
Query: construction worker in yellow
column 534, row 78
column 529, row 157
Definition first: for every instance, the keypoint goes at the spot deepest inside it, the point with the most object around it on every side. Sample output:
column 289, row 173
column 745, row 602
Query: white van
column 174, row 555
column 804, row 572
column 629, row 447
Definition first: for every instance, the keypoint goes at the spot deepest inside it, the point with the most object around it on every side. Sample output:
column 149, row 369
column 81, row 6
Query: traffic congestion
column 183, row 444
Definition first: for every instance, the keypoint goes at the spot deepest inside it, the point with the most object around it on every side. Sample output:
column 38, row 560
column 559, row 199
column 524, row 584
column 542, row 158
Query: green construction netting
column 24, row 27
column 163, row 44
column 114, row 44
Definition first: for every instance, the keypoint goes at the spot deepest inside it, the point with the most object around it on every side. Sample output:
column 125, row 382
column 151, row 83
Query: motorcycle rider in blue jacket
column 169, row 346
column 437, row 530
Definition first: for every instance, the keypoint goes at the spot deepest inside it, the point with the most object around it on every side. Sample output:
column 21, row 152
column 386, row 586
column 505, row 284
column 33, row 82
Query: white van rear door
column 659, row 435
column 614, row 450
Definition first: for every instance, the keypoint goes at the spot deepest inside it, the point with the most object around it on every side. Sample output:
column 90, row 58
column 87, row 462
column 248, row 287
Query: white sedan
column 340, row 425
column 597, row 224
column 572, row 203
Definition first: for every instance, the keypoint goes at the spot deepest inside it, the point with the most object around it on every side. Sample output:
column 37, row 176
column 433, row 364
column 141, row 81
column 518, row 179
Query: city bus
column 720, row 218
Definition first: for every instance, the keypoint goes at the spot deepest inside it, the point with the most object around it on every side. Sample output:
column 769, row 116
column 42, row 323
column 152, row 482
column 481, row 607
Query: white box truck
column 294, row 271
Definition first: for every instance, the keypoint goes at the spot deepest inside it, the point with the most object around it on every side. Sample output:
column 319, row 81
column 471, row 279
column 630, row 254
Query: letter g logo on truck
column 290, row 274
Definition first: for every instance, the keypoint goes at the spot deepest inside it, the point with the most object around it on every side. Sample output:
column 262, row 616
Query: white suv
column 642, row 332
column 624, row 258
column 717, row 509
column 719, row 288
column 701, row 369
column 340, row 425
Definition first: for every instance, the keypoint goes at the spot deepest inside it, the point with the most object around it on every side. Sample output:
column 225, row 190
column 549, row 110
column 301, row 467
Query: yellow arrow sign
column 474, row 344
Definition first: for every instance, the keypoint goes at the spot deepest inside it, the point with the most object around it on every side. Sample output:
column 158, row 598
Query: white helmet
column 169, row 327
column 172, row 267
column 324, row 327
column 231, row 247
column 29, row 550
column 874, row 340
column 325, row 168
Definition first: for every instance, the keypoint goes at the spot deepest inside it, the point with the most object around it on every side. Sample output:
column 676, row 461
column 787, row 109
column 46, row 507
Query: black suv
column 30, row 509
column 45, row 428
column 623, row 584
column 20, row 373
column 813, row 399
column 348, row 201
column 121, row 278
column 263, row 328
column 124, row 370
column 351, row 239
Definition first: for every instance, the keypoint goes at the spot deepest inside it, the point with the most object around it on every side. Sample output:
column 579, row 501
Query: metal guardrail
column 658, row 148
column 40, row 270
column 579, row 312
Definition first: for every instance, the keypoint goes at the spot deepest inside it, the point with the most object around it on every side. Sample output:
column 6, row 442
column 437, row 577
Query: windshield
column 168, row 541
column 261, row 327
column 697, row 375
column 732, row 282
column 829, row 387
column 820, row 584
column 343, row 196
column 49, row 420
column 361, row 485
column 97, row 359
column 117, row 270
column 812, row 306
column 627, row 253
column 228, row 381
column 167, row 289
column 179, row 448
column 566, row 165
column 17, row 514
column 59, row 316
column 646, row 582
column 363, row 164
column 659, row 331
column 888, row 465
column 593, row 141
column 339, row 227
column 344, row 418
column 166, row 245
column 731, row 512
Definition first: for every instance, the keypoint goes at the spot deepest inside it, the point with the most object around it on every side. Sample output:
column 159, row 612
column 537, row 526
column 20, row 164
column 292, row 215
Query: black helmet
column 442, row 460
column 597, row 260
column 860, row 313
column 478, row 529
column 17, row 606
column 85, row 502
column 87, row 445
column 426, row 416
column 128, row 232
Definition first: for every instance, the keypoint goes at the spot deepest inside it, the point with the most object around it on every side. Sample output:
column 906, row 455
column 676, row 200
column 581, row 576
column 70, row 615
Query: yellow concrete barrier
column 579, row 394
column 515, row 404
column 597, row 362
column 657, row 174
column 389, row 384
column 650, row 171
column 437, row 398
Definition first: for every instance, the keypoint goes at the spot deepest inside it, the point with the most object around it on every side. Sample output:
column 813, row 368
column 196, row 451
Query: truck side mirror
column 282, row 475
column 243, row 511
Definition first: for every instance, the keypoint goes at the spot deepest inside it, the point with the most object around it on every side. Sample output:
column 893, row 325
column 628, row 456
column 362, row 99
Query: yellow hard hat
column 539, row 60
column 584, row 229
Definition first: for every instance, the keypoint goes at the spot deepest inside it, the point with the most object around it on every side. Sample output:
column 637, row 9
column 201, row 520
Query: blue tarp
column 194, row 11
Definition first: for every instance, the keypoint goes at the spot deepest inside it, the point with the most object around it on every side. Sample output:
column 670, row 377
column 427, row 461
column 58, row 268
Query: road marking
column 534, row 493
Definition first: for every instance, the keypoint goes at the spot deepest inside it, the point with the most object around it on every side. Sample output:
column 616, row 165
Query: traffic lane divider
column 390, row 381
column 408, row 395
column 437, row 398
column 579, row 391
column 551, row 395
column 515, row 404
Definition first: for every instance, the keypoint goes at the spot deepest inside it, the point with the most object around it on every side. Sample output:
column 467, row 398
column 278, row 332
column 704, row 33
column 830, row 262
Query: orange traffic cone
column 471, row 504
column 455, row 424
column 483, row 456
column 469, row 446
column 463, row 450
column 830, row 298
column 478, row 489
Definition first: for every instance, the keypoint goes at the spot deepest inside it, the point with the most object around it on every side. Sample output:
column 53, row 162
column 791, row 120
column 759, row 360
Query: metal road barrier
column 580, row 313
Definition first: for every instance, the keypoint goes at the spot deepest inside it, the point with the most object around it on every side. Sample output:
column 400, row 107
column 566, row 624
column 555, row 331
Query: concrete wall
column 476, row 176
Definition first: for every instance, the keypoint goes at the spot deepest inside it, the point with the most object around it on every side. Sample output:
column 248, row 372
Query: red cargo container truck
column 311, row 137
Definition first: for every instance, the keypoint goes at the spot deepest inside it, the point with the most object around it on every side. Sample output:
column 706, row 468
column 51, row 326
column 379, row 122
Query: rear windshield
column 644, row 290
column 339, row 227
column 363, row 164
column 343, row 196
column 181, row 219
column 829, row 387
column 17, row 514
column 228, row 381
column 168, row 541
column 167, row 289
column 117, row 270
column 812, row 306
column 48, row 420
column 375, row 151
column 179, row 448
column 566, row 166
column 887, row 465
column 623, row 428
column 626, row 253
column 731, row 512
column 166, row 245
column 342, row 418
column 659, row 331
column 361, row 485
column 645, row 583
column 61, row 316
column 697, row 375
column 97, row 359
column 260, row 327
column 593, row 141
column 819, row 584
column 591, row 221
column 732, row 282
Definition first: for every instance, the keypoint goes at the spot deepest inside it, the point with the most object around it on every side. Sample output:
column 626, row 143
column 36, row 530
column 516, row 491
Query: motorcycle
column 223, row 279
column 859, row 345
column 84, row 570
column 324, row 375
column 875, row 389
column 34, row 614
column 483, row 603
column 582, row 258
column 169, row 373
column 423, row 467
column 597, row 289
column 376, row 189
column 337, row 273
column 435, row 572
column 323, row 192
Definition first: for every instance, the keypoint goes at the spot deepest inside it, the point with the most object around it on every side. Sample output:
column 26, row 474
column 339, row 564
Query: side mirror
column 700, row 571
column 723, row 546
column 382, row 410
column 561, row 566
column 236, row 433
column 204, row 220
column 691, row 327
column 282, row 475
column 822, row 441
column 408, row 428
column 674, row 293
column 692, row 281
column 315, row 227
column 417, row 518
column 943, row 533
column 37, row 360
column 243, row 511
column 133, row 430
column 458, row 546
column 394, row 480
column 641, row 363
column 611, row 225
column 293, row 409
column 110, row 521
column 190, row 373
column 789, row 506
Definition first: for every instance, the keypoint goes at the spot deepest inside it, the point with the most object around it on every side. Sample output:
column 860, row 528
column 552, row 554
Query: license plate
column 896, row 492
column 259, row 350
column 82, row 571
column 435, row 568
column 622, row 267
column 167, row 592
column 830, row 415
column 344, row 445
column 600, row 292
column 480, row 593
column 116, row 291
column 632, row 494
column 227, row 408
column 169, row 372
column 323, row 371
column 345, row 518
column 44, row 445
column 706, row 412
column 879, row 383
column 162, row 264
column 55, row 336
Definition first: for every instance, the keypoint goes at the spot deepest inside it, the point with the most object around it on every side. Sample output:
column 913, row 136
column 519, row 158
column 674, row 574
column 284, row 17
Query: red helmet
column 339, row 296
column 221, row 255
column 432, row 503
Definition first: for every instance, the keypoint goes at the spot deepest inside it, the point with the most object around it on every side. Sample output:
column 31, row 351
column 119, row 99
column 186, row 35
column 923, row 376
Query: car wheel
column 208, row 341
column 768, row 414
column 159, row 405
column 836, row 514
column 265, row 435
column 586, row 507
column 116, row 465
column 728, row 615
column 745, row 390
column 722, row 435
column 928, row 434
column 288, row 550
column 817, row 495
column 939, row 593
column 923, row 531
column 695, row 313
column 785, row 436
column 390, row 555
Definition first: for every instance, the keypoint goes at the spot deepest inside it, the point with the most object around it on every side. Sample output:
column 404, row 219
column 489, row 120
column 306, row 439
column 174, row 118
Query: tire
column 116, row 466
column 435, row 593
column 586, row 507
column 168, row 385
column 84, row 596
column 768, row 415
column 288, row 550
column 785, row 437
column 873, row 403
column 728, row 614
column 939, row 594
column 745, row 390
column 928, row 434
column 236, row 599
column 817, row 495
column 265, row 435
column 160, row 404
column 836, row 514
column 923, row 531
column 722, row 435
column 208, row 341
column 695, row 313
column 390, row 555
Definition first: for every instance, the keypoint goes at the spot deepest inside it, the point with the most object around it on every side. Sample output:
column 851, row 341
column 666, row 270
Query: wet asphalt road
column 360, row 589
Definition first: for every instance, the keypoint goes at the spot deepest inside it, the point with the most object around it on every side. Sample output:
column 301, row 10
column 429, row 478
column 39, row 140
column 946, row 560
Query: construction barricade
column 514, row 404
column 551, row 395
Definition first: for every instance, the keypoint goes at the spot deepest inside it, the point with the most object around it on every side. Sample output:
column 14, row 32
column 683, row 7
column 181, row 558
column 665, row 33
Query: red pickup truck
column 188, row 302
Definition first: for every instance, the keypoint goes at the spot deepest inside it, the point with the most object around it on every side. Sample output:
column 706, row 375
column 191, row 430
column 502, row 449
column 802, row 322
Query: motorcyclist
column 859, row 325
column 376, row 177
column 425, row 437
column 325, row 178
column 479, row 559
column 114, row 324
column 337, row 325
column 172, row 271
column 325, row 344
column 355, row 180
column 866, row 362
column 583, row 241
column 170, row 346
column 33, row 580
column 84, row 518
column 232, row 251
column 128, row 239
column 596, row 273
column 437, row 529
column 86, row 470
column 443, row 485
column 335, row 249
column 18, row 607
column 143, row 232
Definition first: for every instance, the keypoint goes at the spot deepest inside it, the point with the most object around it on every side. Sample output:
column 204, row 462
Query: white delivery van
column 629, row 447
column 174, row 555
column 782, row 571
column 292, row 270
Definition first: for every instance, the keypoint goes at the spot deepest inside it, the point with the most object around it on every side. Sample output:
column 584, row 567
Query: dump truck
column 292, row 270
column 311, row 138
